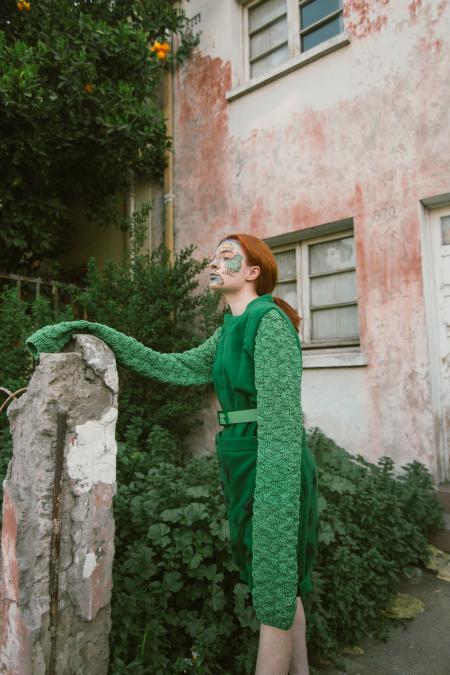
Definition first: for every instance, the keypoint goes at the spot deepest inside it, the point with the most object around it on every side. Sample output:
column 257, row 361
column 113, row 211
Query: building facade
column 322, row 126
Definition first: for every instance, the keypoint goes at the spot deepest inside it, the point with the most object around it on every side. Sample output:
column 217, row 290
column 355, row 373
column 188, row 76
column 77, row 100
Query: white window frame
column 296, row 58
column 303, row 292
column 292, row 26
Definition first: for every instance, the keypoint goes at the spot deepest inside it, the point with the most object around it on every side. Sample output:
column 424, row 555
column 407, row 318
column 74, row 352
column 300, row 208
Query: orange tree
column 79, row 88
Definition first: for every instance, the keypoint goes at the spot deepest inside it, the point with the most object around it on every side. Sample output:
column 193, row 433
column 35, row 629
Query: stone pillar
column 58, row 527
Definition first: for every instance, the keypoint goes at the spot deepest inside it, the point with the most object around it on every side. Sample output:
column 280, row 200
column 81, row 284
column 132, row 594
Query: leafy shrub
column 79, row 108
column 151, row 300
column 177, row 602
column 373, row 524
column 155, row 304
column 177, row 594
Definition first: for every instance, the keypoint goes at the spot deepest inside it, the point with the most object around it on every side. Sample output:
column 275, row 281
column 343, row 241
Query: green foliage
column 373, row 525
column 18, row 319
column 177, row 593
column 178, row 602
column 156, row 304
column 79, row 109
column 151, row 300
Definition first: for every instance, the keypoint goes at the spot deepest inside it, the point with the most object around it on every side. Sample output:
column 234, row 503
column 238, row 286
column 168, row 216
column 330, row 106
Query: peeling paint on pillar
column 82, row 381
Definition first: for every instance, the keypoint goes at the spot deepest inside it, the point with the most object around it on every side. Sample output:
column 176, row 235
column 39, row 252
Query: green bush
column 177, row 591
column 373, row 524
column 80, row 107
column 153, row 301
column 155, row 304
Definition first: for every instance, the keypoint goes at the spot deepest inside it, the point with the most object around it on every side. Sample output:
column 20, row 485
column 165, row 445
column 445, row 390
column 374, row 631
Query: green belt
column 236, row 416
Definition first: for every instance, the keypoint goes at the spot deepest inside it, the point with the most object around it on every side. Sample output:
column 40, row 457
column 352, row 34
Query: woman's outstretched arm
column 193, row 366
column 278, row 369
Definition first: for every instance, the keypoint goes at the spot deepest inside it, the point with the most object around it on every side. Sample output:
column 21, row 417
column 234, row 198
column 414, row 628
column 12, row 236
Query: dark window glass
column 316, row 10
column 322, row 33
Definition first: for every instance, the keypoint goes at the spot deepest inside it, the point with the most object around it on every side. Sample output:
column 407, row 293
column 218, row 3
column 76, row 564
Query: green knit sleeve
column 193, row 366
column 278, row 369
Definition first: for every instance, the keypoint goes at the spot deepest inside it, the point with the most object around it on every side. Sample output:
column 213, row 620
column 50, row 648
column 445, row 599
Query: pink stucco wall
column 360, row 133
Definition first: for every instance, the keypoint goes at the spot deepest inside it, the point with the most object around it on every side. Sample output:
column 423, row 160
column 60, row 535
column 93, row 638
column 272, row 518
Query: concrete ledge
column 334, row 360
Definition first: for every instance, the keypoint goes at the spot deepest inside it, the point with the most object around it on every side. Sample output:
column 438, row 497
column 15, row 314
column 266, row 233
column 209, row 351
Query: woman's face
column 228, row 267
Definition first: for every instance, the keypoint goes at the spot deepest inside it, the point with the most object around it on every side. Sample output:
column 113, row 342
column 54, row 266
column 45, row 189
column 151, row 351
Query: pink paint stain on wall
column 414, row 7
column 363, row 17
column 201, row 138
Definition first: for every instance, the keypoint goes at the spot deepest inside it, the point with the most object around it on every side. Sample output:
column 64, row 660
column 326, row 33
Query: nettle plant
column 79, row 111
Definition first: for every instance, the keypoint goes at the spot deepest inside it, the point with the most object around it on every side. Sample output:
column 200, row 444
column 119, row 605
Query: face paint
column 235, row 264
column 227, row 261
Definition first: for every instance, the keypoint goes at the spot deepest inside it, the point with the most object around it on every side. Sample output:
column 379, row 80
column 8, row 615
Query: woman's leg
column 283, row 652
column 299, row 662
column 274, row 650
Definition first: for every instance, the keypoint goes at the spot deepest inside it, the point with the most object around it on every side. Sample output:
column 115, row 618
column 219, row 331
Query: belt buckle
column 222, row 417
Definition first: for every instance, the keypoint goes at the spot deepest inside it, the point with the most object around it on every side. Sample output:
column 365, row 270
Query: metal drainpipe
column 169, row 197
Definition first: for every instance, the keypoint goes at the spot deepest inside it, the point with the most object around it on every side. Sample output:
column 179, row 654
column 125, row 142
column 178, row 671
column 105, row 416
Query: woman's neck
column 238, row 301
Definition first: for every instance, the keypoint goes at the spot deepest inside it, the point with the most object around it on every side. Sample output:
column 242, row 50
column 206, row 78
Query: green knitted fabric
column 278, row 368
column 193, row 366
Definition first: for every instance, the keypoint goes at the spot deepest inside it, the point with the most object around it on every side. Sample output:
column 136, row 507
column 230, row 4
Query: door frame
column 428, row 213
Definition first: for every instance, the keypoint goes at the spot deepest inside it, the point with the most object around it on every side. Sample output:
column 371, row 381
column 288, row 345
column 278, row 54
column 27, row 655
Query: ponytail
column 288, row 310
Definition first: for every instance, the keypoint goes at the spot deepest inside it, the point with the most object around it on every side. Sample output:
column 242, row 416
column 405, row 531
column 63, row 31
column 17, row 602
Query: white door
column 439, row 230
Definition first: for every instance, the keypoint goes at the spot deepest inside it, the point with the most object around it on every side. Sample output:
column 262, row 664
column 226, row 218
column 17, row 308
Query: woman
column 269, row 477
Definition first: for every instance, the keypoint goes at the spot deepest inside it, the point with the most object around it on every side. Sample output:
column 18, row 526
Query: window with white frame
column 280, row 29
column 318, row 278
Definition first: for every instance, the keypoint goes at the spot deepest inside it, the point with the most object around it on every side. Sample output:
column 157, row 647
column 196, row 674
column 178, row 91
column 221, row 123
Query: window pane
column 445, row 228
column 287, row 268
column 341, row 322
column 332, row 255
column 267, row 63
column 316, row 10
column 269, row 37
column 287, row 292
column 333, row 289
column 265, row 12
column 324, row 32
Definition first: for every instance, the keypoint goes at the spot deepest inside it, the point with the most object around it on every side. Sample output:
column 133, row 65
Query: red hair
column 258, row 253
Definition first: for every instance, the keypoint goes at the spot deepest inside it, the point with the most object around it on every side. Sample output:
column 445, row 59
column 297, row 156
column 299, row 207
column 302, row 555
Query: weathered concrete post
column 58, row 527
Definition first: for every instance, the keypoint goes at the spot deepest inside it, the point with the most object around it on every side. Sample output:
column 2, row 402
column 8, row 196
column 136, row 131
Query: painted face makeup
column 227, row 261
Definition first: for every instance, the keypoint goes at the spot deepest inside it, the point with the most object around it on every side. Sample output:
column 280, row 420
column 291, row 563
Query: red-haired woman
column 269, row 477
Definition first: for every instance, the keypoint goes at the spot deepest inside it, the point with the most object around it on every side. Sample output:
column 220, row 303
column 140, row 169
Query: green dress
column 269, row 477
column 268, row 474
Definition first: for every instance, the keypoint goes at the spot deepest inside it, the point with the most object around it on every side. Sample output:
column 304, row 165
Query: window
column 319, row 21
column 318, row 278
column 268, row 36
column 280, row 29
